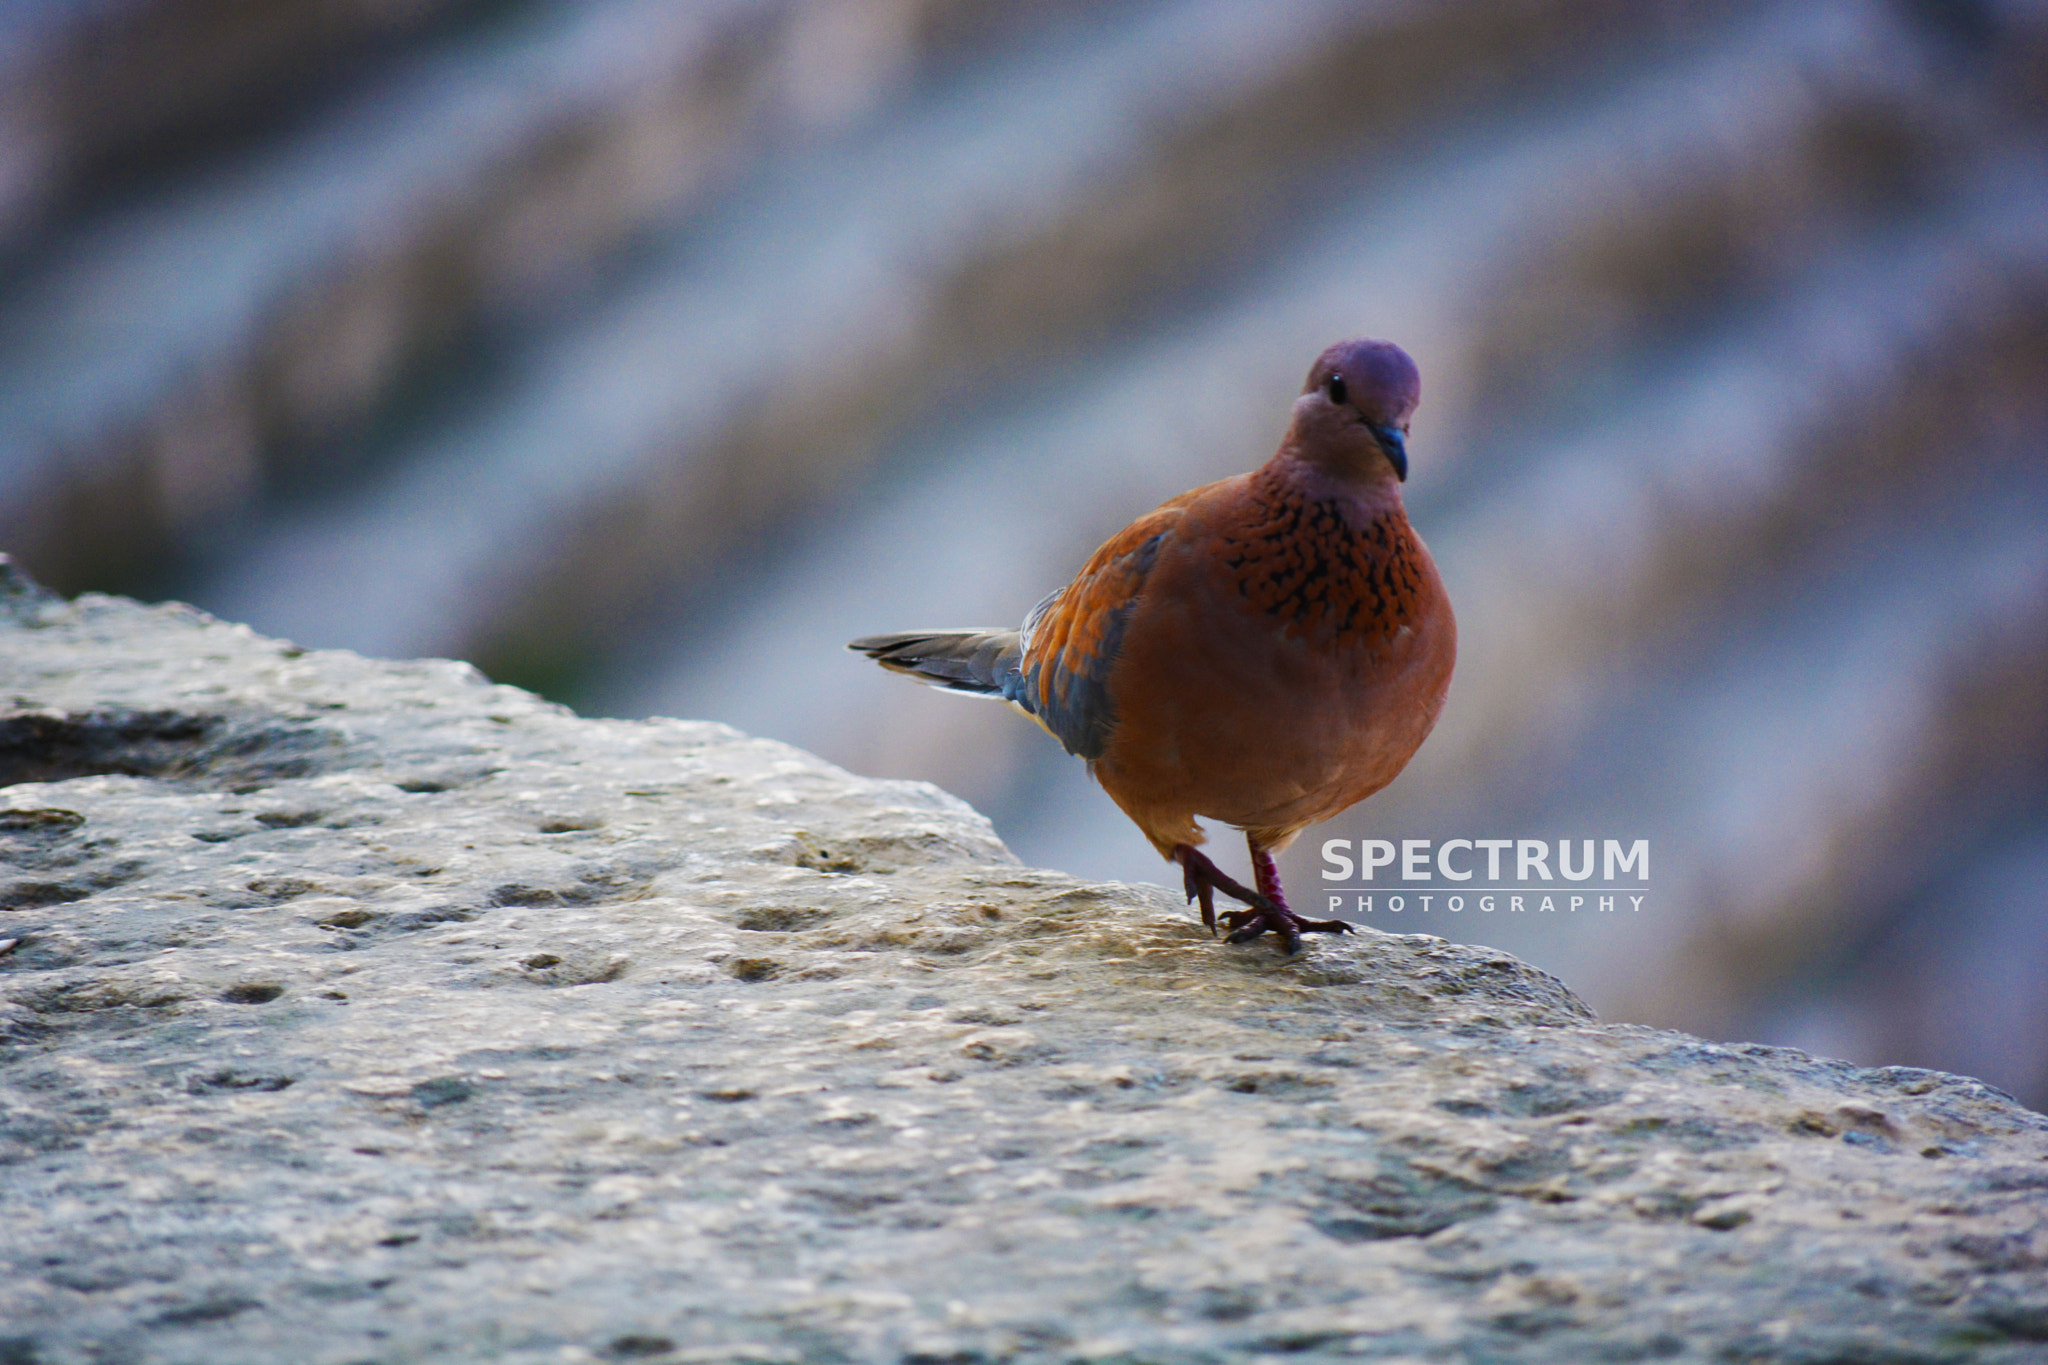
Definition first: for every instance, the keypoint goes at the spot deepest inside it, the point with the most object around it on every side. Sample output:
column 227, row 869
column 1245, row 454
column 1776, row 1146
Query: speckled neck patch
column 1301, row 560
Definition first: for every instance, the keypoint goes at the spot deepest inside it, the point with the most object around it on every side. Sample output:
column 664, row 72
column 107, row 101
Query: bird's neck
column 1365, row 495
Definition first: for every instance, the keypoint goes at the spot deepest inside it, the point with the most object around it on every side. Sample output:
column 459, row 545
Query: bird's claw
column 1246, row 925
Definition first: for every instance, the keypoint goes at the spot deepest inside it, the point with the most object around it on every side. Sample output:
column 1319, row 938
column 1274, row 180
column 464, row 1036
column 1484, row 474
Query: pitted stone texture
column 360, row 1011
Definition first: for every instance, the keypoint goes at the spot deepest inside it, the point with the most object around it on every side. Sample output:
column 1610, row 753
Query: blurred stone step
column 761, row 364
column 171, row 357
column 1807, row 760
column 1415, row 260
column 86, row 81
column 1190, row 197
column 1954, row 978
column 1824, row 402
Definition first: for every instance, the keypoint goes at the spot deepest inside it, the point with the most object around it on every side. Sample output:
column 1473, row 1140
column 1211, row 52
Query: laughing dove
column 1265, row 651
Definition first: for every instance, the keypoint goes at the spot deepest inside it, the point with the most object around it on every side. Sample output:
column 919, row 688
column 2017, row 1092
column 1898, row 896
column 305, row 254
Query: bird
column 1264, row 651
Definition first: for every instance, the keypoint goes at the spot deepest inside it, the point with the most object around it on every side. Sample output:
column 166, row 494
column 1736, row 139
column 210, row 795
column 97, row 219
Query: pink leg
column 1267, row 874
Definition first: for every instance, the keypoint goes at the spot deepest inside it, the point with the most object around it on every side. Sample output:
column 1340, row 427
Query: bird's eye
column 1336, row 388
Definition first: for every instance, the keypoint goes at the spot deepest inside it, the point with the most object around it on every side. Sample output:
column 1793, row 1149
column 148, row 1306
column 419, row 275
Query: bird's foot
column 1267, row 911
column 1246, row 925
column 1203, row 879
column 1273, row 914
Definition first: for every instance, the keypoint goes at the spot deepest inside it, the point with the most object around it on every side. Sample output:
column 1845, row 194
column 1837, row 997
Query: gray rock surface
column 358, row 1011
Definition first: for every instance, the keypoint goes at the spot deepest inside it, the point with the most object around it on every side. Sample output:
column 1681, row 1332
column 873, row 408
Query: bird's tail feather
column 984, row 662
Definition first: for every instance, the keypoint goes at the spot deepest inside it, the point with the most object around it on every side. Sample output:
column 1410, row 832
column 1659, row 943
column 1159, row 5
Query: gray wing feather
column 982, row 662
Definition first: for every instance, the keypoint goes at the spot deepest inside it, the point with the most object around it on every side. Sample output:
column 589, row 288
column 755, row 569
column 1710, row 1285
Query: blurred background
column 642, row 353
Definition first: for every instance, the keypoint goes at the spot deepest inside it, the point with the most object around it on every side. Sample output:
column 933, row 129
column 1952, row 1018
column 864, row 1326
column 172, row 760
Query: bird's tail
column 984, row 662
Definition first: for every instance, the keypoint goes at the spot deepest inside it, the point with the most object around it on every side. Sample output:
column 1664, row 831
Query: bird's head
column 1352, row 416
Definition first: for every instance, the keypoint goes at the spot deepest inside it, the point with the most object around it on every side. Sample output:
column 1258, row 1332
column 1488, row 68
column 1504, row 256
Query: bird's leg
column 1203, row 879
column 1246, row 925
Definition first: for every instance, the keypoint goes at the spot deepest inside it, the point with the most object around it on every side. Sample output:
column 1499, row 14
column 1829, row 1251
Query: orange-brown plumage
column 1266, row 650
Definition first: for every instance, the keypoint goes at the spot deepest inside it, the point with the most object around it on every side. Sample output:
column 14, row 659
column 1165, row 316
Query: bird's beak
column 1396, row 445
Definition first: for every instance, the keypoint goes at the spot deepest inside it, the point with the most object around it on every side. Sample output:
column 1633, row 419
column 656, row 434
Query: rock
column 358, row 1010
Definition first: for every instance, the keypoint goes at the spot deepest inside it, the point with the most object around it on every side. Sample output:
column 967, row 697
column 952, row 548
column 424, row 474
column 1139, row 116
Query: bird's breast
column 1324, row 574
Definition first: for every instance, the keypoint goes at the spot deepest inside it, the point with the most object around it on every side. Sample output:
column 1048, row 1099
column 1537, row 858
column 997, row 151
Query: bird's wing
column 1071, row 639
